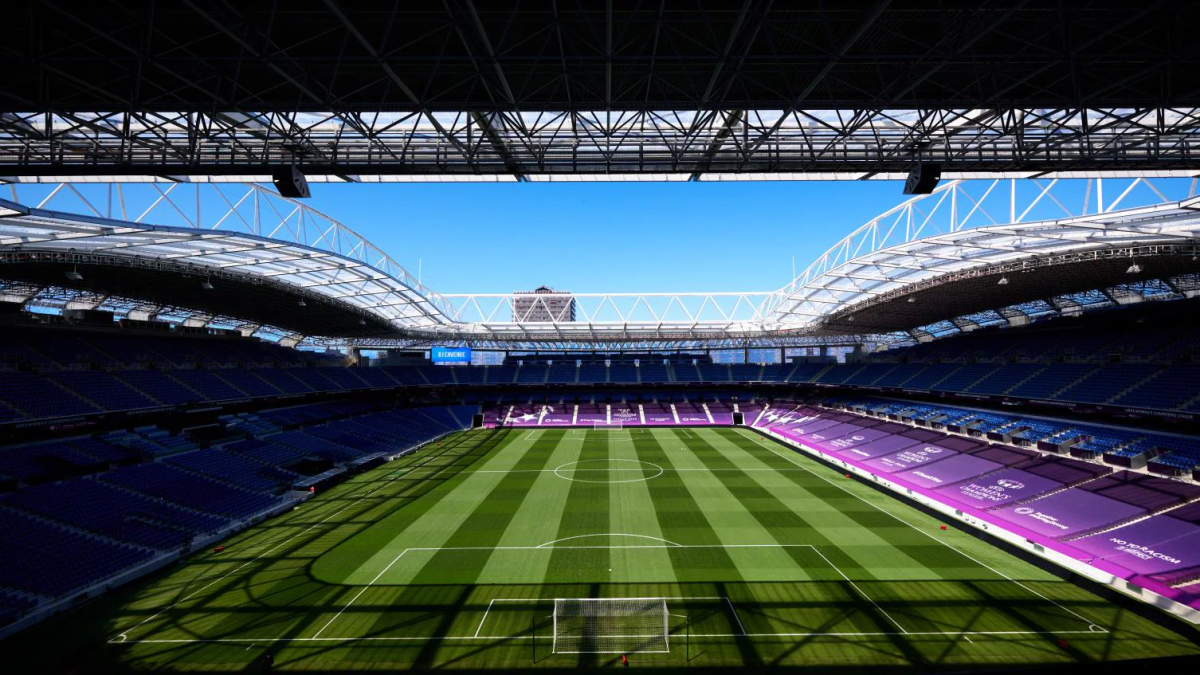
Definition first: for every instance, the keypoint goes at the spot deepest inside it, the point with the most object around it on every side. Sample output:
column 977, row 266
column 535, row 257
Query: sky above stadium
column 606, row 237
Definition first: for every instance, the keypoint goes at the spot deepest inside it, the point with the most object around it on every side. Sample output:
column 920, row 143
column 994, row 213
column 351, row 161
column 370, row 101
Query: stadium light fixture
column 74, row 275
column 1003, row 281
column 911, row 299
column 302, row 303
column 206, row 284
column 1134, row 269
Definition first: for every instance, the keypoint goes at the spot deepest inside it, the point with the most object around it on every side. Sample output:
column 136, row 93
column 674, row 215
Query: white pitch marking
column 608, row 534
column 364, row 590
column 737, row 618
column 526, row 637
column 941, row 541
column 859, row 590
column 485, row 614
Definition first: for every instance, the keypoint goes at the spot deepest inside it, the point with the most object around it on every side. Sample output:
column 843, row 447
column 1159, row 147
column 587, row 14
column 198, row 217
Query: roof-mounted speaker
column 291, row 183
column 923, row 179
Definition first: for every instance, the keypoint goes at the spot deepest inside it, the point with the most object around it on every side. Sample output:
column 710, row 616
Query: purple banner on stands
column 1068, row 512
column 556, row 419
column 948, row 471
column 828, row 433
column 883, row 446
column 625, row 415
column 692, row 417
column 524, row 418
column 778, row 418
column 659, row 417
column 909, row 457
column 843, row 444
column 1153, row 546
column 591, row 418
column 807, row 425
column 998, row 489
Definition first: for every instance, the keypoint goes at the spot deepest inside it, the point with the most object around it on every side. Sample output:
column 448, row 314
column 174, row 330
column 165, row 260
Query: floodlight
column 302, row 303
column 1134, row 269
column 206, row 285
column 74, row 275
column 911, row 299
column 1003, row 281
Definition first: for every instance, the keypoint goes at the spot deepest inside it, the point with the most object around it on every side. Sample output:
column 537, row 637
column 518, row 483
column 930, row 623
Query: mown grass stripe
column 632, row 511
column 361, row 558
column 585, row 512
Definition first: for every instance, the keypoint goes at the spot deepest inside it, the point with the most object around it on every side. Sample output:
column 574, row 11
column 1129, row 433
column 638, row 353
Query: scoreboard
column 450, row 355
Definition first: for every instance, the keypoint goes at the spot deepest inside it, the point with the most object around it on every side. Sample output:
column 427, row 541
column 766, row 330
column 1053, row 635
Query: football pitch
column 452, row 558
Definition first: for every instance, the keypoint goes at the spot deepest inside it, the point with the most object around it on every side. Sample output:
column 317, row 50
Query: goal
column 608, row 425
column 610, row 625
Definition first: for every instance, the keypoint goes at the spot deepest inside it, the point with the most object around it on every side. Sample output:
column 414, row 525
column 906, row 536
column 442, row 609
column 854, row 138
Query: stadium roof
column 506, row 90
column 146, row 251
column 906, row 285
column 294, row 270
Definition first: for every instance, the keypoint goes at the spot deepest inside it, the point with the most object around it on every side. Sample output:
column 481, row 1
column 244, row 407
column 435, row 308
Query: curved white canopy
column 252, row 231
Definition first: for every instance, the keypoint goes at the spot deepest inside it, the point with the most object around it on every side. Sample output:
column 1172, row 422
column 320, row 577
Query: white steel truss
column 964, row 226
column 249, row 230
column 245, row 229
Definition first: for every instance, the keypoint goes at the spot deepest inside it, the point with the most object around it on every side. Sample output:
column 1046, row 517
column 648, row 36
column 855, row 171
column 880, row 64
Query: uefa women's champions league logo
column 1009, row 484
column 1023, row 510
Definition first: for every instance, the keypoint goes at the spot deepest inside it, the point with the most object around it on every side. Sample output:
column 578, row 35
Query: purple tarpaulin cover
column 780, row 417
column 828, row 433
column 1067, row 512
column 809, row 425
column 998, row 489
column 948, row 471
column 843, row 444
column 883, row 446
column 625, row 415
column 659, row 416
column 1153, row 546
column 556, row 419
column 909, row 457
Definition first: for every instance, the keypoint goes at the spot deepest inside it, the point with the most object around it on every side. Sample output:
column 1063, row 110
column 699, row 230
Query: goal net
column 610, row 625
column 607, row 425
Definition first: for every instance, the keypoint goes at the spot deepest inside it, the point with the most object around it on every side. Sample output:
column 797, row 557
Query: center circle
column 648, row 470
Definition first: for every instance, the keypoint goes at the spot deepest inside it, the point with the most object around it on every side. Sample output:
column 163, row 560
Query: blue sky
column 606, row 237
column 614, row 237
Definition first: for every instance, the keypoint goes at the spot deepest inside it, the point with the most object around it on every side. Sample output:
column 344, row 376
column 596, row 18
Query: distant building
column 543, row 304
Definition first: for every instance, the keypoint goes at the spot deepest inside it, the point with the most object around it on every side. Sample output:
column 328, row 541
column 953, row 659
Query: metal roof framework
column 637, row 145
column 621, row 90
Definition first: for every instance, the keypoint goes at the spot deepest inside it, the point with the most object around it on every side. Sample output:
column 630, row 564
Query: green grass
column 451, row 559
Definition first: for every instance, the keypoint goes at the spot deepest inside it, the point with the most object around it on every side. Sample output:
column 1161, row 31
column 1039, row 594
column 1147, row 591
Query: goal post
column 610, row 625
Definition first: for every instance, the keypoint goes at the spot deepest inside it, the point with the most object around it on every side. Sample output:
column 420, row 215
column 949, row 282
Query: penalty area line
column 359, row 594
